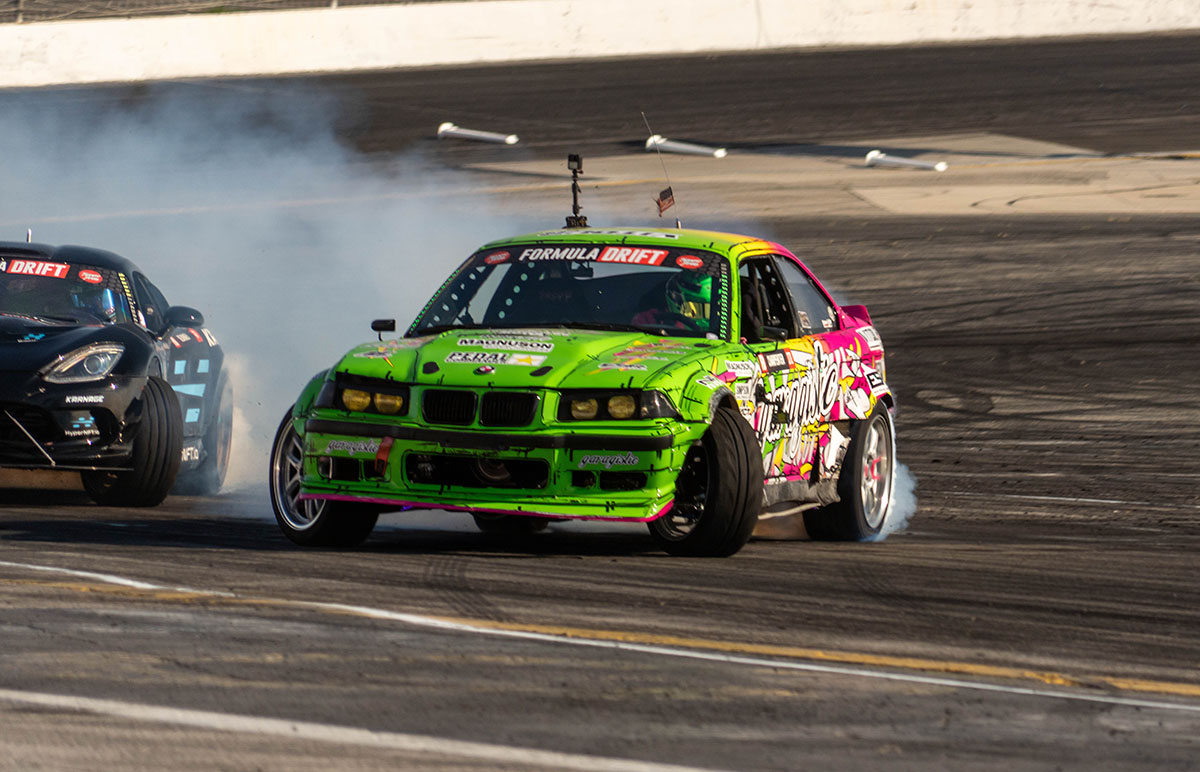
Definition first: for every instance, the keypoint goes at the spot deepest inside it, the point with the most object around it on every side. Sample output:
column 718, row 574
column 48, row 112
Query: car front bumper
column 66, row 426
column 589, row 473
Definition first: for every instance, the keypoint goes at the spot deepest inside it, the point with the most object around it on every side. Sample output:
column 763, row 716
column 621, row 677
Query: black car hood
column 27, row 343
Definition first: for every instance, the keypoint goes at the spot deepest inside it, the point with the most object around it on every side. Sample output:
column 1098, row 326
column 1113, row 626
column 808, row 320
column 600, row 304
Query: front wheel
column 718, row 492
column 865, row 484
column 157, row 447
column 311, row 522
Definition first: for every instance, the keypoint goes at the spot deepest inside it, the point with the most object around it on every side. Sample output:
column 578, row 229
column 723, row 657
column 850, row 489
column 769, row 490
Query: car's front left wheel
column 157, row 446
column 311, row 522
column 718, row 492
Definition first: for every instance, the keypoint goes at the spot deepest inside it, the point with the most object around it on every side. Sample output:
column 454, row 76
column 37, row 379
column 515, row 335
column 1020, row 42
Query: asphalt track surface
column 1040, row 612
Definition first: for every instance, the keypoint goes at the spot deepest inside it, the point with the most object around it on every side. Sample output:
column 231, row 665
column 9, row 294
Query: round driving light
column 622, row 406
column 389, row 404
column 583, row 409
column 357, row 400
column 492, row 471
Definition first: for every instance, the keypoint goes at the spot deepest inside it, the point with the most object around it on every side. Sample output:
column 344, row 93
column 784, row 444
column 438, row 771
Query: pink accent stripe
column 426, row 505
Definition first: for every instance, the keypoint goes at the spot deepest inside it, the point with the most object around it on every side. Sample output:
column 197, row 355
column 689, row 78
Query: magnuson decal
column 507, row 344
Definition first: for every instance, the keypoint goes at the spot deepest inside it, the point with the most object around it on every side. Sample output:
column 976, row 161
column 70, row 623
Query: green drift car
column 685, row 379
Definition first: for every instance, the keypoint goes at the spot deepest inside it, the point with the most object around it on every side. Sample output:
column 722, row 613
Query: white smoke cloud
column 904, row 503
column 249, row 210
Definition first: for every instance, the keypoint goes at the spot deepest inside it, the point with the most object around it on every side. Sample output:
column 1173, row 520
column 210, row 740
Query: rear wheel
column 207, row 479
column 865, row 484
column 718, row 492
column 157, row 445
column 311, row 522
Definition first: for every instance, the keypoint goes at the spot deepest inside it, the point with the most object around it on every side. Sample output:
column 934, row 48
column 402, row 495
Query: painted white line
column 108, row 578
column 331, row 733
column 418, row 620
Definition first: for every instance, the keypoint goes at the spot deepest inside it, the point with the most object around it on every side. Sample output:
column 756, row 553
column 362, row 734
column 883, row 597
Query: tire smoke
column 240, row 201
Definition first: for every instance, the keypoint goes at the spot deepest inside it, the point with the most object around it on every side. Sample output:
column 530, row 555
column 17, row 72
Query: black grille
column 36, row 422
column 471, row 472
column 507, row 408
column 443, row 406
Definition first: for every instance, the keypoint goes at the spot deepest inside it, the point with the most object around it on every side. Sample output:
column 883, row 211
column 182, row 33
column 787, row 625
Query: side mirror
column 858, row 314
column 383, row 325
column 772, row 333
column 183, row 316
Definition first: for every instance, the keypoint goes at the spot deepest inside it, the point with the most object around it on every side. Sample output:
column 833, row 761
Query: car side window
column 764, row 300
column 151, row 302
column 814, row 312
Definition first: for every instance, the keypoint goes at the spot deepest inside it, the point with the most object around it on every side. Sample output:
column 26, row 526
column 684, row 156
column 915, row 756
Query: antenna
column 666, row 198
column 29, row 235
column 575, row 164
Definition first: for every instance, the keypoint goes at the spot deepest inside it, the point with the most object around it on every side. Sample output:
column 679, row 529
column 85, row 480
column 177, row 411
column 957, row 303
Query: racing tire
column 157, row 447
column 509, row 525
column 865, row 485
column 207, row 479
column 311, row 522
column 718, row 493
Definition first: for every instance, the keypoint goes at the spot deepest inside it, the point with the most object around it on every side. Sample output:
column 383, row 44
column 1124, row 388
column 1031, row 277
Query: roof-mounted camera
column 575, row 164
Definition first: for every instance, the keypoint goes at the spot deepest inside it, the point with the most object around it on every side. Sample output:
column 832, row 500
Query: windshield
column 659, row 289
column 62, row 292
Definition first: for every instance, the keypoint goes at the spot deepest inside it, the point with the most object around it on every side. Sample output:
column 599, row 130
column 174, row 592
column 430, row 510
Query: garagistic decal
column 353, row 447
column 609, row 460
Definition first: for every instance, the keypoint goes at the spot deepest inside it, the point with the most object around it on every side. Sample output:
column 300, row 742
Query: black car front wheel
column 311, row 522
column 157, row 445
column 718, row 492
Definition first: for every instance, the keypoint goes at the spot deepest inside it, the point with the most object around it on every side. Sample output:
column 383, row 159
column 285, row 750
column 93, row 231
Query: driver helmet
column 99, row 302
column 689, row 294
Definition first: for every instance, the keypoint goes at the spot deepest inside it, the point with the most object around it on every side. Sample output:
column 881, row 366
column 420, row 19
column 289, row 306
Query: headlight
column 356, row 400
column 584, row 409
column 90, row 363
column 389, row 404
column 622, row 406
column 614, row 405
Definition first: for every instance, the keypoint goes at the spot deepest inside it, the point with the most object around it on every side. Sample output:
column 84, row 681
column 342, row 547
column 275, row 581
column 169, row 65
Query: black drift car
column 98, row 374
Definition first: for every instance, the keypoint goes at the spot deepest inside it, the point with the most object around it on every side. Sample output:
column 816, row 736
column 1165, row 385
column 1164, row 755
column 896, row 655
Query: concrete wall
column 385, row 37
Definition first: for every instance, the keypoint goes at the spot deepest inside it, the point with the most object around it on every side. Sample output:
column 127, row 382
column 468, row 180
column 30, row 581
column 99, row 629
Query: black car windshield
column 659, row 289
column 62, row 292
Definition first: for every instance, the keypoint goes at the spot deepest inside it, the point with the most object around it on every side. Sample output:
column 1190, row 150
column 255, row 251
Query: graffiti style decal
column 353, row 447
column 90, row 276
column 792, row 409
column 608, row 461
column 690, row 262
column 496, row 258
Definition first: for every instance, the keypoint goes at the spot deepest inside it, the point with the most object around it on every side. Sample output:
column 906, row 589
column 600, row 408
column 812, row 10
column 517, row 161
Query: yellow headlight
column 355, row 399
column 583, row 409
column 389, row 404
column 622, row 406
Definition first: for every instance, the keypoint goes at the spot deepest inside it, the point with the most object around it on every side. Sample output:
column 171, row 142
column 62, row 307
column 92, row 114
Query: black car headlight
column 90, row 363
column 614, row 405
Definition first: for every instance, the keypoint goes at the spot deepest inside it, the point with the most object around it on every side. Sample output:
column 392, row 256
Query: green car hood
column 521, row 358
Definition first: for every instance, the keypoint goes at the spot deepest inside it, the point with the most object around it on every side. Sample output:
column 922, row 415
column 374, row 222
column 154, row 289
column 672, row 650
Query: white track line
column 329, row 733
column 668, row 651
